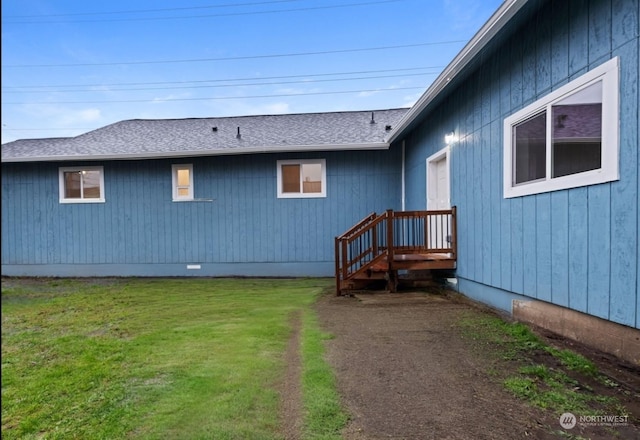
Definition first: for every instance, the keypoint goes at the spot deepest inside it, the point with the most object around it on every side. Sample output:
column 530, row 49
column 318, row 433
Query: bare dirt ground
column 405, row 370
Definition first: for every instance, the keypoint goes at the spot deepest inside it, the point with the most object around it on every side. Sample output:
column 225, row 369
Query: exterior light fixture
column 450, row 138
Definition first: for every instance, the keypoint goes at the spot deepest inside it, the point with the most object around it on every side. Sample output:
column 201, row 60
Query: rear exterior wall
column 236, row 225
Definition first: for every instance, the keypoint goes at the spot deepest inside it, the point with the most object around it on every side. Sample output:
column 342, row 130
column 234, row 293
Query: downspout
column 402, row 185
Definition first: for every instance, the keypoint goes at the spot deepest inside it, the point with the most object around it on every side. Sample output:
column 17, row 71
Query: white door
column 438, row 180
column 438, row 197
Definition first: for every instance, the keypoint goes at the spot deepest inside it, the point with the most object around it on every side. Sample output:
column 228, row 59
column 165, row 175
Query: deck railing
column 424, row 231
column 360, row 246
column 381, row 237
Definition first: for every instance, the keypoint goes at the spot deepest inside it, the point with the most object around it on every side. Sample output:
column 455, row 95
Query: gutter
column 479, row 41
column 200, row 153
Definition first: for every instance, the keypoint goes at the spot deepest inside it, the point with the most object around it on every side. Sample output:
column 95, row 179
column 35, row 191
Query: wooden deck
column 416, row 262
column 379, row 246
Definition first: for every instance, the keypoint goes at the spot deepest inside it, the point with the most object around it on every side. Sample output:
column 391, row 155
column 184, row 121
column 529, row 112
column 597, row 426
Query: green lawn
column 158, row 358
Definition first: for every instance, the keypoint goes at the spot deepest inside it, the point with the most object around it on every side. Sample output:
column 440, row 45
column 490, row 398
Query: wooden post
column 454, row 232
column 427, row 218
column 344, row 258
column 391, row 281
column 337, row 257
column 390, row 244
column 374, row 237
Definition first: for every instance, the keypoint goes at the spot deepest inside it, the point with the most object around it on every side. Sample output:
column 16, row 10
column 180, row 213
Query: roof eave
column 199, row 153
column 479, row 41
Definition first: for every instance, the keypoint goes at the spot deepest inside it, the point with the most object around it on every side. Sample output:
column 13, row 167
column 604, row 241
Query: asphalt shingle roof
column 139, row 138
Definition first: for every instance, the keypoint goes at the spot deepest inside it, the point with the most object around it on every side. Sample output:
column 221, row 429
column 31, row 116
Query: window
column 81, row 184
column 567, row 139
column 301, row 178
column 182, row 182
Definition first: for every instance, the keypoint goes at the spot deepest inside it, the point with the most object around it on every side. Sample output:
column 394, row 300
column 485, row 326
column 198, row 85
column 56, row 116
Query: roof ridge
column 259, row 115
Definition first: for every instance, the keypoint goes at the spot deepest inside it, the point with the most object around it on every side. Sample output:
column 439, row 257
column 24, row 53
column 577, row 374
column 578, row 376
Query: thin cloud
column 462, row 16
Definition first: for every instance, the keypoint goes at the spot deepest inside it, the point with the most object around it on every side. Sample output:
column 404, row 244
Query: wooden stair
column 378, row 247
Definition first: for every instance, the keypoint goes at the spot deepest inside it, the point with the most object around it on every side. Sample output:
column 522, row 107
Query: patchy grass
column 545, row 376
column 156, row 358
column 553, row 389
column 324, row 417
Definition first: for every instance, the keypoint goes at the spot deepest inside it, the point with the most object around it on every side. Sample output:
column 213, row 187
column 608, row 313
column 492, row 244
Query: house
column 531, row 132
column 536, row 126
column 254, row 195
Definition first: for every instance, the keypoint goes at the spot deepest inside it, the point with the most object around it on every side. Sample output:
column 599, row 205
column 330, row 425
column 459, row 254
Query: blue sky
column 69, row 67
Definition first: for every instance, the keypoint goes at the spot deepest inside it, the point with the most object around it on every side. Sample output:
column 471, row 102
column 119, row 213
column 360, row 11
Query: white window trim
column 431, row 175
column 609, row 171
column 61, row 186
column 301, row 195
column 174, row 182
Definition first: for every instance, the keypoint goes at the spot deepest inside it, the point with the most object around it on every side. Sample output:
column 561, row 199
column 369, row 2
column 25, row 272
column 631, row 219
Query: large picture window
column 301, row 178
column 567, row 139
column 81, row 184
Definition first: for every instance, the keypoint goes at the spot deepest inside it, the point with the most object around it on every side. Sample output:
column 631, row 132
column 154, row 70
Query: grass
column 157, row 358
column 540, row 384
column 324, row 417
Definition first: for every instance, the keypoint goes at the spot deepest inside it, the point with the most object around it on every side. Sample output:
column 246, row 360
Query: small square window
column 182, row 182
column 81, row 184
column 301, row 178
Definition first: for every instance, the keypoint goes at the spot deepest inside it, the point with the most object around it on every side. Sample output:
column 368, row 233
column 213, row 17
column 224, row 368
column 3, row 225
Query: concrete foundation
column 609, row 337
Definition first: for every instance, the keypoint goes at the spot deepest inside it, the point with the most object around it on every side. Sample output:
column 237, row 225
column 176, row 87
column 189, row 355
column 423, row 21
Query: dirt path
column 405, row 372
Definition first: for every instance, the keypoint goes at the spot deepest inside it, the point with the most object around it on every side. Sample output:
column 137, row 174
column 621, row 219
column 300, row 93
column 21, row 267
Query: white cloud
column 410, row 100
column 49, row 121
column 90, row 115
column 368, row 93
column 277, row 107
column 463, row 15
column 170, row 97
column 241, row 107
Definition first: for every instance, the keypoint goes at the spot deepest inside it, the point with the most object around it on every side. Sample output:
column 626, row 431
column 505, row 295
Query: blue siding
column 559, row 43
column 559, row 237
column 485, row 197
column 529, row 252
column 543, row 246
column 477, row 211
column 624, row 195
column 492, row 296
column 578, row 37
column 495, row 204
column 577, row 248
column 599, row 244
column 236, row 221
